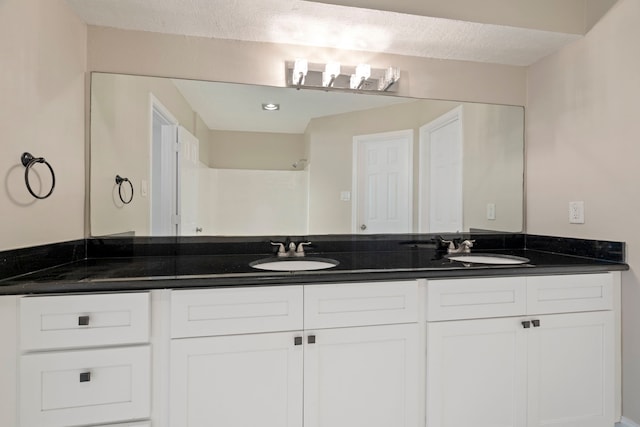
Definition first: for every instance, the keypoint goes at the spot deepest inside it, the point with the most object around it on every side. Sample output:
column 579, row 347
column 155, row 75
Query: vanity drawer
column 69, row 321
column 360, row 304
column 452, row 299
column 569, row 293
column 85, row 387
column 235, row 311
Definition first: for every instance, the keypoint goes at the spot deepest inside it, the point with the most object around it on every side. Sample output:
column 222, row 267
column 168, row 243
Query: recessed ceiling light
column 270, row 107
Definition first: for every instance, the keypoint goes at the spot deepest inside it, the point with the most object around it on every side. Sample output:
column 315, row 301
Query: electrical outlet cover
column 576, row 212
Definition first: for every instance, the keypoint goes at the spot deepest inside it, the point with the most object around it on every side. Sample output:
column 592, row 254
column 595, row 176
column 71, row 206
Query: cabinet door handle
column 85, row 377
column 83, row 320
column 311, row 339
column 526, row 324
column 297, row 341
column 536, row 323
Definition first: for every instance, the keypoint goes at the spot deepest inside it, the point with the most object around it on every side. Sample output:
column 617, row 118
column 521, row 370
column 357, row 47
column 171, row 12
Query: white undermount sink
column 494, row 259
column 294, row 264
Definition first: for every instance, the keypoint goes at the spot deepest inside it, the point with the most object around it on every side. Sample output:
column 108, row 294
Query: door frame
column 424, row 170
column 357, row 140
column 157, row 108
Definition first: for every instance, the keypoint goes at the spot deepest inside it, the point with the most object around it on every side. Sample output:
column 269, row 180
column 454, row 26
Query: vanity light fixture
column 335, row 76
column 331, row 71
column 300, row 69
column 299, row 163
column 271, row 107
column 363, row 72
column 391, row 75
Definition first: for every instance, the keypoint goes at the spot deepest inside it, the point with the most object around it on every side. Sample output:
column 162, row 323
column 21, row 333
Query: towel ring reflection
column 28, row 161
column 119, row 181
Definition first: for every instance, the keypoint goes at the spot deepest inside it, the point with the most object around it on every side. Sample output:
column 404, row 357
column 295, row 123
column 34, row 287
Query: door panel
column 237, row 381
column 383, row 183
column 188, row 182
column 362, row 377
column 476, row 373
column 441, row 162
column 571, row 370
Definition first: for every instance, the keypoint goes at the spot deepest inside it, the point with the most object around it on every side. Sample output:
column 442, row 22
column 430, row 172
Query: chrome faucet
column 290, row 249
column 463, row 248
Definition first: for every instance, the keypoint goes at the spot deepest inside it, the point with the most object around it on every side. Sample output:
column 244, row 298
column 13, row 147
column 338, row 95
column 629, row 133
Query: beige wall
column 42, row 83
column 583, row 127
column 254, row 150
column 203, row 133
column 493, row 166
column 121, row 144
column 135, row 52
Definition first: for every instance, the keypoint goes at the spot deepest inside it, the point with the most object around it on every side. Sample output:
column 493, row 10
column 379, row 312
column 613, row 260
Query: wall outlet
column 491, row 211
column 576, row 212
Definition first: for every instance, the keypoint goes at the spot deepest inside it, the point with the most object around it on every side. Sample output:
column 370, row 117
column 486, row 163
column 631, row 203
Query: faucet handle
column 443, row 243
column 281, row 250
column 466, row 245
column 300, row 249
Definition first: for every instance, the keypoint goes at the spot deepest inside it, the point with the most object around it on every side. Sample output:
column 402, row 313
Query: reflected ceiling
column 236, row 107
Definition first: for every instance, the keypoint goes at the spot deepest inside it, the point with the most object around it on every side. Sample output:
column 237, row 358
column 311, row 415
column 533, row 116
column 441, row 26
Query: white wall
column 42, row 86
column 583, row 130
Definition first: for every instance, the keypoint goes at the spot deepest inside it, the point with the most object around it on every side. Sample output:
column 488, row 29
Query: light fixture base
column 376, row 82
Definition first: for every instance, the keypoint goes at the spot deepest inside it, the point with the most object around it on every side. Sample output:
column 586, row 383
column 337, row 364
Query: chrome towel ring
column 119, row 181
column 28, row 161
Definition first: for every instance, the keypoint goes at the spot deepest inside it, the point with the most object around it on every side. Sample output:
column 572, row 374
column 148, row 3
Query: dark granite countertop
column 397, row 260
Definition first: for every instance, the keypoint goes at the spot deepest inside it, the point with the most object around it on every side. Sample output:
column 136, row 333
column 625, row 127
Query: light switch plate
column 491, row 211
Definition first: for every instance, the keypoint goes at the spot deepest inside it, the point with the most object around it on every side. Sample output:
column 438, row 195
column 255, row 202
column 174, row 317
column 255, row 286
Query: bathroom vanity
column 418, row 341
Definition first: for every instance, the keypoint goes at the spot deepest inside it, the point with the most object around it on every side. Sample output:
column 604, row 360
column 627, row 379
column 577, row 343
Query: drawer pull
column 85, row 377
column 526, row 324
column 536, row 323
column 297, row 341
column 83, row 320
column 311, row 339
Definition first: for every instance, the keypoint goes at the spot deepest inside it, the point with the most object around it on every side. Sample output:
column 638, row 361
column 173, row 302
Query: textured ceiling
column 325, row 25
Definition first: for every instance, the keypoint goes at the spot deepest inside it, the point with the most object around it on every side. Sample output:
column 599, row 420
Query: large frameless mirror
column 208, row 158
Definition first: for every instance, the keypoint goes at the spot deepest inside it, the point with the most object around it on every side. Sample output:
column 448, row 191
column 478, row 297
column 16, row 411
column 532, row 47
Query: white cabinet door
column 476, row 373
column 362, row 377
column 571, row 370
column 237, row 381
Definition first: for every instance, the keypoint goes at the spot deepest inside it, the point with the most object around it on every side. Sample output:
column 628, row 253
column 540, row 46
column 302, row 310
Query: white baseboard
column 626, row 422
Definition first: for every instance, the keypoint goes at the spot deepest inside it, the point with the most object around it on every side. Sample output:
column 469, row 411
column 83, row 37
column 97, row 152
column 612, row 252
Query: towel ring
column 28, row 161
column 119, row 181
